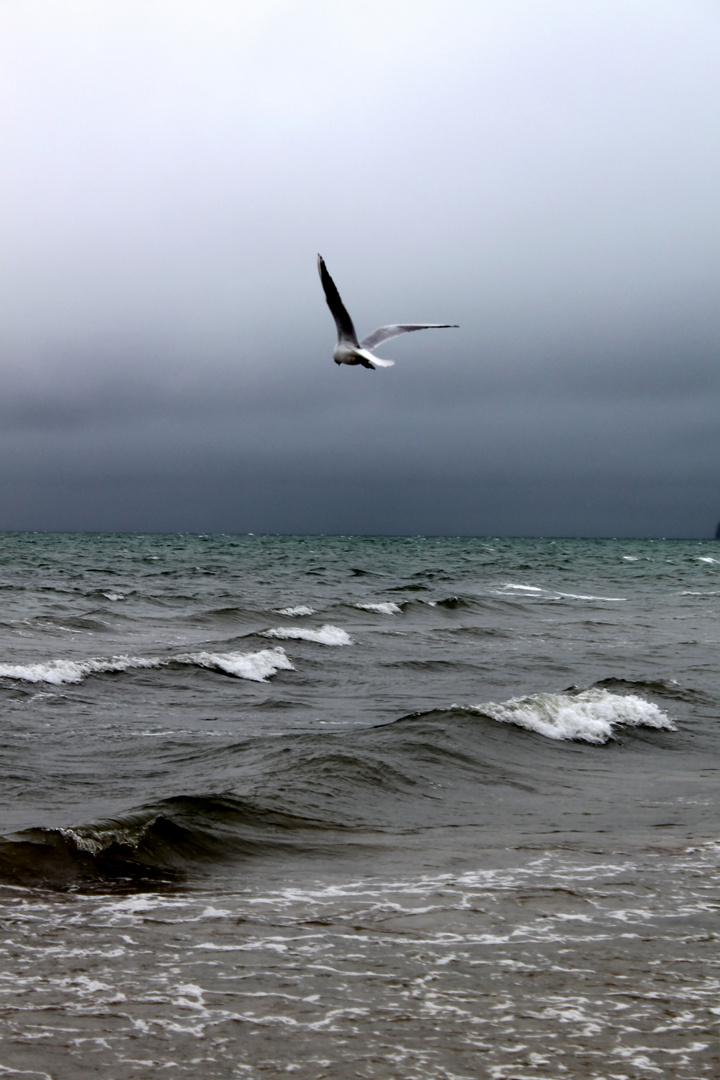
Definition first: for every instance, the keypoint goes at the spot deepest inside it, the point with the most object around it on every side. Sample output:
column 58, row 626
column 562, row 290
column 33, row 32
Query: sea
column 410, row 808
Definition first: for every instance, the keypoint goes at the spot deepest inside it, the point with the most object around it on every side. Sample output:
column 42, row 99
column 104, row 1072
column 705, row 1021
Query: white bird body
column 348, row 349
column 347, row 353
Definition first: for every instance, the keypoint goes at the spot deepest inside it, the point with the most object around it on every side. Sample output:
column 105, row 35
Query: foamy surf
column 296, row 612
column 387, row 607
column 532, row 591
column 589, row 716
column 257, row 666
column 522, row 588
column 591, row 596
column 326, row 635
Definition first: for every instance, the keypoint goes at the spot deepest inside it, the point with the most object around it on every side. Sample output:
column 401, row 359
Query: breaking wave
column 257, row 666
column 587, row 716
column 388, row 607
column 318, row 793
column 153, row 845
column 326, row 635
column 535, row 592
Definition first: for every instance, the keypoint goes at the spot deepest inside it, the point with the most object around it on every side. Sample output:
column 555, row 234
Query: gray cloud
column 545, row 175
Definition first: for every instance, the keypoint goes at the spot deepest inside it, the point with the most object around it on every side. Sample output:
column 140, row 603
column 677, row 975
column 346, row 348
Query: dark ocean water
column 371, row 807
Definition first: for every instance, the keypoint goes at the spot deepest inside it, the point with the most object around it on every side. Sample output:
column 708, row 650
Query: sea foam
column 326, row 635
column 256, row 666
column 589, row 716
column 385, row 607
column 551, row 594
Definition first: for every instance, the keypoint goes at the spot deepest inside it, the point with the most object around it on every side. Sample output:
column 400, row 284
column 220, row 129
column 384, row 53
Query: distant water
column 359, row 807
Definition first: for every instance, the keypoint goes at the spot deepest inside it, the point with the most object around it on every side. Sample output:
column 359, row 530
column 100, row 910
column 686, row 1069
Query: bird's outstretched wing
column 344, row 323
column 384, row 333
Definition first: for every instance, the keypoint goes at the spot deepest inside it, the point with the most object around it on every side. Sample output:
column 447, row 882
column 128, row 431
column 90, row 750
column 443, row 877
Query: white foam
column 257, row 666
column 294, row 612
column 706, row 558
column 524, row 588
column 387, row 607
column 113, row 596
column 590, row 596
column 254, row 666
column 589, row 716
column 326, row 635
column 58, row 672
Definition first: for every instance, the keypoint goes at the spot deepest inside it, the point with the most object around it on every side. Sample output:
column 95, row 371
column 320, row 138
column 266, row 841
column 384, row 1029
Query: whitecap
column 524, row 588
column 706, row 558
column 254, row 666
column 294, row 612
column 58, row 672
column 589, row 716
column 113, row 596
column 326, row 635
column 257, row 666
column 582, row 596
column 388, row 607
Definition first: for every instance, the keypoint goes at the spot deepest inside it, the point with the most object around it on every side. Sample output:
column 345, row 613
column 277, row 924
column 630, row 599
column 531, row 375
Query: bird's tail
column 368, row 358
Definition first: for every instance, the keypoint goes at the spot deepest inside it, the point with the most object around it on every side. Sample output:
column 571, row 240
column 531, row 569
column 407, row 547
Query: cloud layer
column 544, row 175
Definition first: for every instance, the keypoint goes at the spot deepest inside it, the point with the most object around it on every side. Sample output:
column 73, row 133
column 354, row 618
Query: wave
column 451, row 603
column 155, row 844
column 387, row 607
column 664, row 688
column 535, row 592
column 591, row 596
column 295, row 612
column 586, row 716
column 257, row 666
column 326, row 635
column 311, row 793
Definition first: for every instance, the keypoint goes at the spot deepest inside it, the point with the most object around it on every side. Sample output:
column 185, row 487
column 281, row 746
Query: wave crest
column 257, row 666
column 384, row 607
column 326, row 635
column 156, row 844
column 587, row 716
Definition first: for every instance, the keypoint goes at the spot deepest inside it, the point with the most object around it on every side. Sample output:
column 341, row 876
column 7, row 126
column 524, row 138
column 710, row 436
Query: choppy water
column 412, row 808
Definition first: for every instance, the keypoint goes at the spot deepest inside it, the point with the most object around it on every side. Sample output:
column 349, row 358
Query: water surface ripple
column 377, row 807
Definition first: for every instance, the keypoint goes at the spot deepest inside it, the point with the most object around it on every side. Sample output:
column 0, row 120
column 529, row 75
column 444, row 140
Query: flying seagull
column 348, row 349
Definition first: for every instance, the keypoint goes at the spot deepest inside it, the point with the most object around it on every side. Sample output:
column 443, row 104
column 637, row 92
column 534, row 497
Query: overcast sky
column 546, row 173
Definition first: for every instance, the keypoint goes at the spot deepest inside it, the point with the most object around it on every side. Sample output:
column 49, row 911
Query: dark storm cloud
column 544, row 174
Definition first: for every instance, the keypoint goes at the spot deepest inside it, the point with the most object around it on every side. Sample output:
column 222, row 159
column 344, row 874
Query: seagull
column 348, row 349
